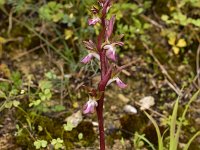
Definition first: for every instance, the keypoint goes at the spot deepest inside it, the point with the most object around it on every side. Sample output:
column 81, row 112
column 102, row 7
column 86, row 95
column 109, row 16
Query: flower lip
column 93, row 21
column 89, row 57
column 90, row 106
column 118, row 81
column 110, row 53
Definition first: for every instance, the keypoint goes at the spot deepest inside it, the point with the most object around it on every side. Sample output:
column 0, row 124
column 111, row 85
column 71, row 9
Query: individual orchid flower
column 118, row 81
column 110, row 53
column 111, row 50
column 89, row 57
column 94, row 20
column 90, row 106
column 89, row 45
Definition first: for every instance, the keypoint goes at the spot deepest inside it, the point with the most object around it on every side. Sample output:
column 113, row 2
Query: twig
column 10, row 22
column 151, row 21
column 33, row 49
column 153, row 111
column 170, row 82
column 5, row 80
column 38, row 35
column 197, row 65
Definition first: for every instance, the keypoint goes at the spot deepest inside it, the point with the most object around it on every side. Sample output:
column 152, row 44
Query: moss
column 89, row 136
column 52, row 128
column 86, row 128
column 150, row 133
column 132, row 123
column 24, row 140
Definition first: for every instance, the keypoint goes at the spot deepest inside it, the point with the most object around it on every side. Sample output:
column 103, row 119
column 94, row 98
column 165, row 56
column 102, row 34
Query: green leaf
column 173, row 143
column 164, row 17
column 191, row 139
column 8, row 104
column 2, row 2
column 43, row 143
column 54, row 141
column 58, row 146
column 37, row 144
column 2, row 94
column 80, row 136
column 160, row 140
column 47, row 91
column 16, row 103
column 58, row 108
column 37, row 102
column 14, row 92
column 59, row 140
column 68, row 127
column 42, row 97
column 44, row 84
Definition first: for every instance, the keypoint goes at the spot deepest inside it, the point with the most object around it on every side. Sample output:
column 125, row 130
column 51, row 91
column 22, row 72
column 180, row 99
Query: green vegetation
column 42, row 82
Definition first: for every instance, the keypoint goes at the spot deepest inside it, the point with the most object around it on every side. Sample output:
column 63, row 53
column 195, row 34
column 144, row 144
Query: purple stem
column 105, row 76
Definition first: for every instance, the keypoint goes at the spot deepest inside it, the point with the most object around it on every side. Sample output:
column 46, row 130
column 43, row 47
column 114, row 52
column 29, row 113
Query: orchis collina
column 93, row 21
column 90, row 106
column 118, row 81
column 105, row 51
column 111, row 50
column 89, row 57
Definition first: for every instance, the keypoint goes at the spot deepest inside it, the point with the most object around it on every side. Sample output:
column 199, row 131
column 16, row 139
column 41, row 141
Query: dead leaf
column 147, row 102
column 75, row 118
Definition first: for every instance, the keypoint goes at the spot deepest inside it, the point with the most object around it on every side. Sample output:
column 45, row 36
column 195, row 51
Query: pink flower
column 89, row 57
column 110, row 53
column 111, row 50
column 90, row 106
column 93, row 21
column 118, row 81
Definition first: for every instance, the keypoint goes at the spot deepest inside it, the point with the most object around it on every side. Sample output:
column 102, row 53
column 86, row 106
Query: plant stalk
column 101, row 123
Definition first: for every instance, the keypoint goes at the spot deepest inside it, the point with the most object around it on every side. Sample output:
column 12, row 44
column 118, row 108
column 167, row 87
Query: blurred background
column 41, row 77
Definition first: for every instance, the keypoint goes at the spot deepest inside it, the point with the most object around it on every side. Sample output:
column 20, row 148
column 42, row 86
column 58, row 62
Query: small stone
column 130, row 109
column 147, row 102
column 123, row 98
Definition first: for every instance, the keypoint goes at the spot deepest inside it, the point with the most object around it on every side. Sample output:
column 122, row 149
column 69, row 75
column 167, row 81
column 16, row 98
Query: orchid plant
column 104, row 50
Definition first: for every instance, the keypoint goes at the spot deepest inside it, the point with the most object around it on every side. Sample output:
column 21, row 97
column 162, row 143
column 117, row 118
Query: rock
column 130, row 109
column 146, row 102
